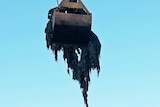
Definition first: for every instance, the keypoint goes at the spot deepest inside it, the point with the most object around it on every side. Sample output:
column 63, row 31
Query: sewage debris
column 68, row 32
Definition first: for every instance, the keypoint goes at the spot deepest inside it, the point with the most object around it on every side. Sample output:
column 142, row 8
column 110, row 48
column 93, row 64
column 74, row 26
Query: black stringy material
column 89, row 57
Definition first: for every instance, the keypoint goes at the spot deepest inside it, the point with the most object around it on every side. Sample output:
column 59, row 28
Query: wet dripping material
column 81, row 58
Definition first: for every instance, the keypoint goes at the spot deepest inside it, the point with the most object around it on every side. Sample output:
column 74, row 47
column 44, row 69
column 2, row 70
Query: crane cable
column 57, row 3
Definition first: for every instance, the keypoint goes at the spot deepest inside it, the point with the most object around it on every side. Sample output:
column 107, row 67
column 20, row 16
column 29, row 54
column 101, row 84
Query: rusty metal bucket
column 71, row 23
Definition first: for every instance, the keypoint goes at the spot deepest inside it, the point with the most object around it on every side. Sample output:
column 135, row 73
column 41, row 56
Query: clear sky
column 129, row 31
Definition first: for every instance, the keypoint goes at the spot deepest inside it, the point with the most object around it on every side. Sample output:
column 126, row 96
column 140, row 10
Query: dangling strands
column 80, row 68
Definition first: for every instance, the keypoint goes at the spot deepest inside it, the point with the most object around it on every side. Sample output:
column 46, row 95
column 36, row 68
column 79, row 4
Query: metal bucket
column 71, row 27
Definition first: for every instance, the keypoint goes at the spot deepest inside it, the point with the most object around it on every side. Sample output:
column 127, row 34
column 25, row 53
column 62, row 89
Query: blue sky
column 129, row 31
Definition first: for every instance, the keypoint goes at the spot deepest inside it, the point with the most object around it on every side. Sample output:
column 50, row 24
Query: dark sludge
column 80, row 67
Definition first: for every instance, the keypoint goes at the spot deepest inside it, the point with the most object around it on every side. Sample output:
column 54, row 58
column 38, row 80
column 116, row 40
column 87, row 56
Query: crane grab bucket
column 71, row 22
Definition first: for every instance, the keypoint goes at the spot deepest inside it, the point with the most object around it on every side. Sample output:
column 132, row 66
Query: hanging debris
column 81, row 47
